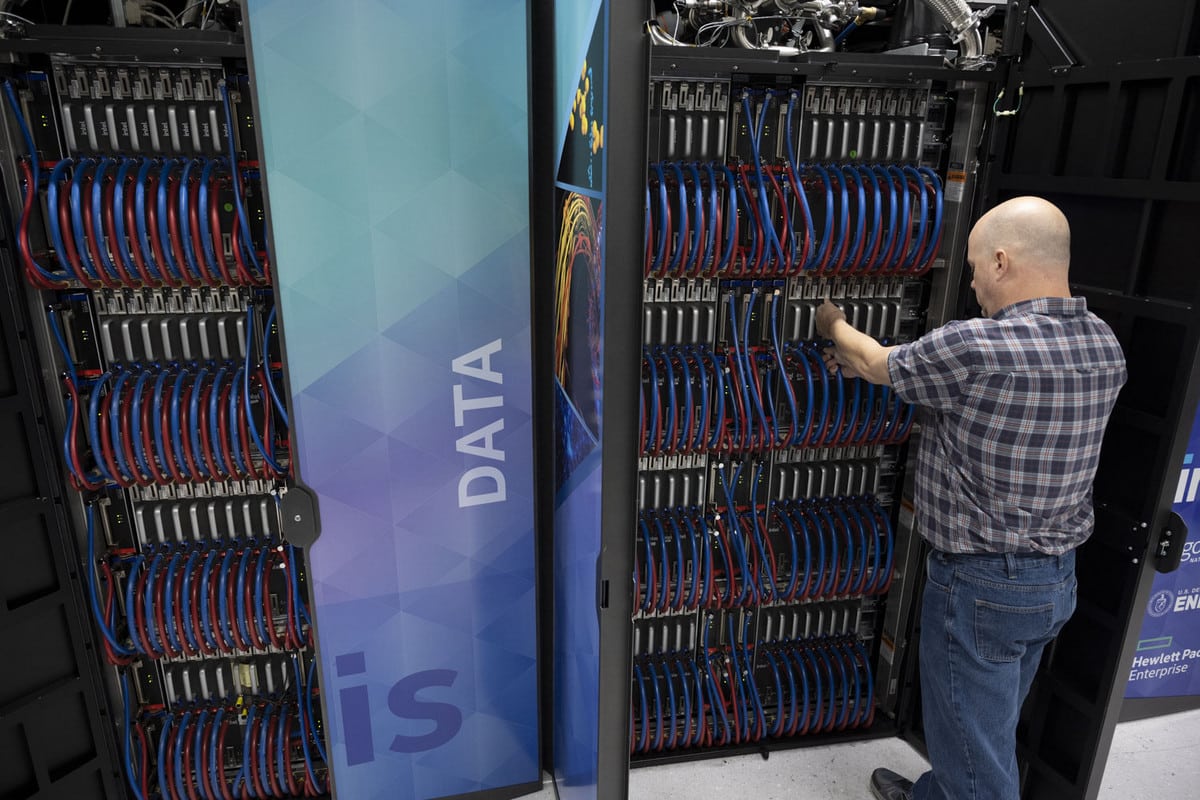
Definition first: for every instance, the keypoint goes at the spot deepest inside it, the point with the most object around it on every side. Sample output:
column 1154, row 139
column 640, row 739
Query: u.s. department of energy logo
column 1160, row 602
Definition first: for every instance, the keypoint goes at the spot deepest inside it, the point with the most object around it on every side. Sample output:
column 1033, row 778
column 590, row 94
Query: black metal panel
column 87, row 40
column 1111, row 31
column 541, row 160
column 766, row 747
column 701, row 63
column 56, row 734
column 626, row 145
column 1145, row 708
column 1185, row 163
column 1112, row 142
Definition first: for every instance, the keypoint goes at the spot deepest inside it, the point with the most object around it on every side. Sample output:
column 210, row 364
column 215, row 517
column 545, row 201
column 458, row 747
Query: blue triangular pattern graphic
column 398, row 176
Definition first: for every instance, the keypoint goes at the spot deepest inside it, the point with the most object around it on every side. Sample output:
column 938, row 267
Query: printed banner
column 1167, row 662
column 396, row 153
column 581, row 109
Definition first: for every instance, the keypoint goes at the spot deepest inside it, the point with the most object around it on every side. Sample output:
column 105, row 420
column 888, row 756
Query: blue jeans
column 984, row 623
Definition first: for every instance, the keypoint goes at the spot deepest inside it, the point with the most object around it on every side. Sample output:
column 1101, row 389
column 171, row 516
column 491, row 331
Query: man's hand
column 833, row 363
column 854, row 353
column 827, row 315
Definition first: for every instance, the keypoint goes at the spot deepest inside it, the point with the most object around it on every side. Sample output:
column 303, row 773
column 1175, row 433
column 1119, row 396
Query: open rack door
column 396, row 149
column 598, row 138
column 1107, row 119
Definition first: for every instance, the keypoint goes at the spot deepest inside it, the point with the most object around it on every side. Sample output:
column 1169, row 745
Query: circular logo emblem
column 1160, row 603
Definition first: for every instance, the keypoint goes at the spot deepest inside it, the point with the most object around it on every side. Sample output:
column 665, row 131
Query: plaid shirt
column 1015, row 409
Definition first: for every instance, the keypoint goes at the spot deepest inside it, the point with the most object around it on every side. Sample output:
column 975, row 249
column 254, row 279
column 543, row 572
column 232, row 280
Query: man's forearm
column 861, row 353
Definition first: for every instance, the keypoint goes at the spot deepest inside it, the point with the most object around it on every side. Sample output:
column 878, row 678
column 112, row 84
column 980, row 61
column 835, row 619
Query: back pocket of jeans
column 1002, row 632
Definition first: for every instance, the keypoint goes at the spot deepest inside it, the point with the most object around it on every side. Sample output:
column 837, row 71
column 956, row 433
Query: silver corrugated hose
column 962, row 23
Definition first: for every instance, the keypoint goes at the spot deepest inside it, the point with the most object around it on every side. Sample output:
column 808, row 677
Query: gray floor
column 1155, row 759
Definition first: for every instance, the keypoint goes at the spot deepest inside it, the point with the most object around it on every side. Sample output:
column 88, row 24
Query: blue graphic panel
column 1167, row 662
column 574, row 22
column 579, row 403
column 396, row 154
column 577, row 635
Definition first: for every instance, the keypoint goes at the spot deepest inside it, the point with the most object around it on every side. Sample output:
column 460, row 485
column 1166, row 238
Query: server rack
column 694, row 602
column 137, row 223
column 56, row 712
column 798, row 485
column 161, row 584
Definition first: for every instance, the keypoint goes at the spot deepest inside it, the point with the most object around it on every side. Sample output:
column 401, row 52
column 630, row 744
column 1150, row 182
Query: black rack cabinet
column 679, row 629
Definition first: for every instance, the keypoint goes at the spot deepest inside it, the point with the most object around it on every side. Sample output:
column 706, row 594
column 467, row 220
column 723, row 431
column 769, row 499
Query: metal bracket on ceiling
column 1047, row 40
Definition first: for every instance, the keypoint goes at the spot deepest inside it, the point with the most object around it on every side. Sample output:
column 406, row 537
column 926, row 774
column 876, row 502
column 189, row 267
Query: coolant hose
column 962, row 23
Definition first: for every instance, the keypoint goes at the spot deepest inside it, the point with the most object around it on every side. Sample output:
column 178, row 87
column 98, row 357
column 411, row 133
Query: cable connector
column 869, row 14
column 1012, row 112
column 133, row 12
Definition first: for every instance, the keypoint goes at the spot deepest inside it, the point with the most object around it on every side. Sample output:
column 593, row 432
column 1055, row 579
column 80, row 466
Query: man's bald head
column 1033, row 231
column 1019, row 250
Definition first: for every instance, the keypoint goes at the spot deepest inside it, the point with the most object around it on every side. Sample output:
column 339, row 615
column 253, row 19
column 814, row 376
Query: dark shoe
column 887, row 785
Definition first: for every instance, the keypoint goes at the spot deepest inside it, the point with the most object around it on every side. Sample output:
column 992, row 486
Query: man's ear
column 1000, row 263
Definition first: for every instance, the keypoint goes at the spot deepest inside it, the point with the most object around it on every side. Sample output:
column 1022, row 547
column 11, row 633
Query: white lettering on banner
column 462, row 364
column 488, row 450
column 1187, row 602
column 1154, row 661
column 464, row 404
column 1185, row 493
column 483, row 484
column 1162, row 665
column 486, row 474
column 1154, row 674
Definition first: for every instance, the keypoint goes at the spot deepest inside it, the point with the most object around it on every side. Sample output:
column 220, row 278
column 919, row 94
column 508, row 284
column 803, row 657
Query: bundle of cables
column 781, row 396
column 686, row 698
column 692, row 225
column 142, row 222
column 197, row 600
column 817, row 685
column 673, row 561
column 899, row 198
column 753, row 423
column 761, row 219
column 743, row 561
column 669, row 698
column 272, row 740
column 178, row 423
column 832, row 548
column 867, row 218
column 830, row 410
column 678, row 412
column 132, row 222
column 744, row 696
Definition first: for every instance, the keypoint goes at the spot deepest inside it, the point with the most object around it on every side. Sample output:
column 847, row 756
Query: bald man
column 1014, row 407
